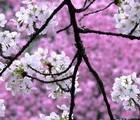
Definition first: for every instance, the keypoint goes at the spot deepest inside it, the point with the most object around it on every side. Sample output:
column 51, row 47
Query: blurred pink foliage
column 110, row 56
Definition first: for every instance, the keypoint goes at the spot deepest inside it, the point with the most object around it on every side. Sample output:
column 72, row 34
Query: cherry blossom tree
column 21, row 68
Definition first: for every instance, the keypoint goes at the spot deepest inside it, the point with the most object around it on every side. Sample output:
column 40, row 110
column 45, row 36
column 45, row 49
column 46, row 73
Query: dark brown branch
column 48, row 74
column 64, row 28
column 81, row 49
column 79, row 59
column 63, row 89
column 85, row 3
column 33, row 37
column 34, row 26
column 85, row 8
column 54, row 81
column 135, row 27
column 87, row 31
column 100, row 83
column 72, row 91
column 93, row 12
column 6, row 57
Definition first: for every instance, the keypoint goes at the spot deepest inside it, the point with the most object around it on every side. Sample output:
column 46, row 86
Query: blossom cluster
column 31, row 17
column 42, row 67
column 126, row 89
column 54, row 116
column 128, row 17
column 9, row 42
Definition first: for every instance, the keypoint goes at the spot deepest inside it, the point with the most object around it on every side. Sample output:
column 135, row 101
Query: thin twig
column 6, row 57
column 52, row 81
column 85, row 3
column 64, row 29
column 63, row 89
column 85, row 8
column 93, row 12
column 58, row 74
column 135, row 27
column 87, row 31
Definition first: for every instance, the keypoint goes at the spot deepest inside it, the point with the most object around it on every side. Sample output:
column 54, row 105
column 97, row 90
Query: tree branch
column 93, row 12
column 64, row 29
column 81, row 49
column 85, row 3
column 57, row 80
column 100, row 83
column 87, row 31
column 72, row 91
column 135, row 27
column 85, row 8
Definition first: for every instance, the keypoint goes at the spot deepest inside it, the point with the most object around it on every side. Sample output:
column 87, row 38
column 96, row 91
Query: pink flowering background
column 110, row 56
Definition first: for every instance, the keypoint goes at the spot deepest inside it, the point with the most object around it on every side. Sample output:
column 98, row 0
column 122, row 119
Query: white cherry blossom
column 9, row 42
column 54, row 116
column 31, row 18
column 3, row 21
column 129, row 105
column 27, row 1
column 2, row 108
column 125, row 89
column 17, row 82
column 128, row 16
